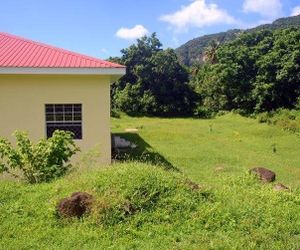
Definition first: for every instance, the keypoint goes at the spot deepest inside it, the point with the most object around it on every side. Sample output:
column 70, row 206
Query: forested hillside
column 193, row 51
column 257, row 72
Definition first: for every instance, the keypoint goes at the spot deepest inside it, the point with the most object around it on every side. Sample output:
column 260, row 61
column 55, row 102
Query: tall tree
column 155, row 82
column 210, row 53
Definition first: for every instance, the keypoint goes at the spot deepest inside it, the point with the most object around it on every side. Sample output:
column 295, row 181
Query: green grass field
column 230, row 210
column 198, row 147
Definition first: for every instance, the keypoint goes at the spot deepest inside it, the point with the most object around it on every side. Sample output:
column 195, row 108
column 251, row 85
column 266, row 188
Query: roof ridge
column 65, row 51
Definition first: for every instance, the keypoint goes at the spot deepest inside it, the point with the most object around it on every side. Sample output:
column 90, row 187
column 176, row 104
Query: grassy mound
column 139, row 206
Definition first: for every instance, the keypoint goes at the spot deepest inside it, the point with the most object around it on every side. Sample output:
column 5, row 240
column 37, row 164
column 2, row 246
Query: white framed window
column 67, row 117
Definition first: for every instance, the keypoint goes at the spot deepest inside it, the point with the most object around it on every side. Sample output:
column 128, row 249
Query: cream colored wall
column 23, row 99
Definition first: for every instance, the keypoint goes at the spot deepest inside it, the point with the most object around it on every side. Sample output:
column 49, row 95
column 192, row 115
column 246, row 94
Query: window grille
column 67, row 117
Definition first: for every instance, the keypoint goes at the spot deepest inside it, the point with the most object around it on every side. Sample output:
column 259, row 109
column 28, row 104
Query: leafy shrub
column 115, row 113
column 239, row 111
column 41, row 162
column 264, row 117
column 203, row 112
column 133, row 102
column 222, row 112
column 288, row 120
column 126, row 99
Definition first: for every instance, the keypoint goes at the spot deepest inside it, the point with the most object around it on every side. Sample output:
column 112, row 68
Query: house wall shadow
column 142, row 153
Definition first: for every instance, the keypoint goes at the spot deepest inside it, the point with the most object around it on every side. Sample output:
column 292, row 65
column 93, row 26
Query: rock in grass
column 219, row 168
column 194, row 186
column 75, row 206
column 264, row 174
column 280, row 187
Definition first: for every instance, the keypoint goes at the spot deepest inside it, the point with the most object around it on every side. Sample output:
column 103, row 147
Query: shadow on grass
column 142, row 153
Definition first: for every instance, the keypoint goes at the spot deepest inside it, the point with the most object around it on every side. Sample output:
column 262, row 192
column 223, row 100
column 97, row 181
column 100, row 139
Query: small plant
column 237, row 136
column 140, row 127
column 264, row 117
column 210, row 128
column 41, row 162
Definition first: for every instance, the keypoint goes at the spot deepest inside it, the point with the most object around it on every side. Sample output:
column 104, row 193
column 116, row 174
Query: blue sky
column 101, row 28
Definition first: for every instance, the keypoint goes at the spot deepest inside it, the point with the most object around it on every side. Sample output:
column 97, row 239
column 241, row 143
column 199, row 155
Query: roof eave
column 116, row 72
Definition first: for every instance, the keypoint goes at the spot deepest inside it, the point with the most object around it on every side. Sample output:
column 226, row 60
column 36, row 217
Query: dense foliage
column 41, row 162
column 257, row 72
column 155, row 83
column 193, row 51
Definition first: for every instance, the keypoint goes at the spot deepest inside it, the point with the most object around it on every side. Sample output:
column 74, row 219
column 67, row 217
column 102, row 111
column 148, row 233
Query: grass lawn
column 141, row 206
column 199, row 147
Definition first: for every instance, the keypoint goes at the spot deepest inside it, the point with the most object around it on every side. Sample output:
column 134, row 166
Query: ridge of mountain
column 193, row 51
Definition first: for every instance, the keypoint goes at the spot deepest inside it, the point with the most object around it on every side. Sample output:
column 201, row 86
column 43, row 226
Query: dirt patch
column 75, row 206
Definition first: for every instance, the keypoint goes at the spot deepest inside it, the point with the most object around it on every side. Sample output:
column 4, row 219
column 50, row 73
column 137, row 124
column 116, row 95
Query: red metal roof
column 19, row 52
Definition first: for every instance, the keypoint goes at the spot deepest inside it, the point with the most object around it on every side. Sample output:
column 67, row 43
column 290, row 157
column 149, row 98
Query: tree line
column 256, row 72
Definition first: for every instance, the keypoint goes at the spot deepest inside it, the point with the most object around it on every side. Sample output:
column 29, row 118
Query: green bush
column 222, row 112
column 41, row 162
column 133, row 102
column 115, row 113
column 288, row 120
column 264, row 117
column 203, row 112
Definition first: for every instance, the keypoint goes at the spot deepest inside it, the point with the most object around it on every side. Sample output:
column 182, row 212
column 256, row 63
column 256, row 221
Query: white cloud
column 104, row 51
column 197, row 14
column 296, row 11
column 266, row 8
column 133, row 33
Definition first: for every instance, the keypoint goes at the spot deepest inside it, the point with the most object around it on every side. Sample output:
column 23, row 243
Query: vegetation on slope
column 256, row 72
column 139, row 206
column 193, row 51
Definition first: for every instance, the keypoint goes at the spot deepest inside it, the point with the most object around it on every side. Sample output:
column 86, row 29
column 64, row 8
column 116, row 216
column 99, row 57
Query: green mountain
column 192, row 52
